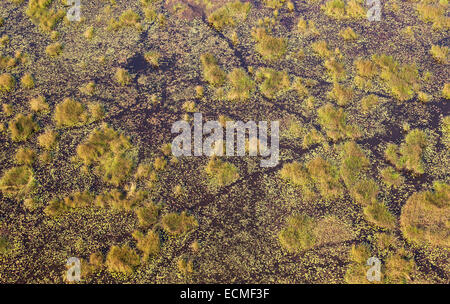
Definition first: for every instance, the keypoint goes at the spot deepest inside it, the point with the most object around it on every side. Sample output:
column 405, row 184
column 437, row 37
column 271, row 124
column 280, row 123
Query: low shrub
column 47, row 140
column 88, row 88
column 7, row 82
column 153, row 58
column 369, row 102
column 211, row 70
column 409, row 154
column 391, row 177
column 342, row 95
column 379, row 214
column 108, row 150
column 178, row 224
column 272, row 82
column 321, row 49
column 39, row 104
column 446, row 91
column 229, row 14
column 425, row 216
column 269, row 47
column 17, row 182
column 54, row 50
column 69, row 113
column 241, row 85
column 122, row 259
column 22, row 127
column 221, row 173
column 335, row 69
column 298, row 233
column 149, row 244
column 25, row 156
column 27, row 81
column 122, row 77
column 334, row 121
column 348, row 34
column 147, row 215
column 440, row 54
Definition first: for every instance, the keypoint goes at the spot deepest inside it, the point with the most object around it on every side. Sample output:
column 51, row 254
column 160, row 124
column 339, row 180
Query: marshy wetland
column 86, row 163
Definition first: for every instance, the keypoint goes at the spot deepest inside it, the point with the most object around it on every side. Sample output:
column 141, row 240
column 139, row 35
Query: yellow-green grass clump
column 39, row 104
column 129, row 18
column 425, row 216
column 22, row 127
column 122, row 77
column 27, row 81
column 272, row 82
column 7, row 109
column 178, row 224
column 366, row 68
column 325, row 177
column 318, row 174
column 211, row 70
column 185, row 266
column 307, row 27
column 434, row 13
column 221, row 173
column 121, row 200
column 54, row 49
column 7, row 82
column 391, row 177
column 335, row 69
column 153, row 58
column 402, row 80
column 380, row 215
column 88, row 88
column 108, row 149
column 25, row 156
column 398, row 268
column 321, row 49
column 70, row 113
column 341, row 94
column 149, row 243
column 47, row 140
column 298, row 234
column 369, row 102
column 334, row 121
column 229, row 14
column 241, row 85
column 300, row 87
column 357, row 270
column 348, row 34
column 45, row 18
column 147, row 215
column 89, row 33
column 5, row 246
column 17, row 182
column 269, row 47
column 122, row 259
column 7, row 62
column 446, row 91
column 4, row 40
column 409, row 154
column 340, row 9
column 439, row 53
column 96, row 111
column 73, row 201
column 445, row 127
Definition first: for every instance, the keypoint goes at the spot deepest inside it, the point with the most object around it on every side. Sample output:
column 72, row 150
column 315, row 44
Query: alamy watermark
column 374, row 11
column 74, row 12
column 213, row 144
column 374, row 272
column 74, row 271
